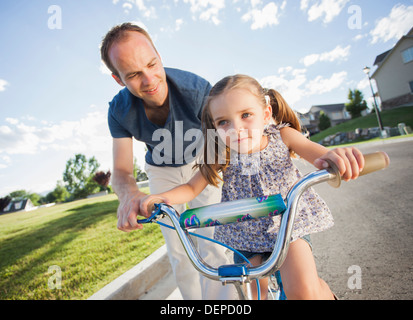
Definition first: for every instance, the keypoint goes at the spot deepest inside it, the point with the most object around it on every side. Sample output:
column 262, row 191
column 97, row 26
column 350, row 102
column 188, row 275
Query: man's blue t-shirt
column 180, row 139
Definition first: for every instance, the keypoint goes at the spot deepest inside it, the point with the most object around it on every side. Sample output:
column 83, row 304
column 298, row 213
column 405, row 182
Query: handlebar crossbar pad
column 232, row 211
column 233, row 270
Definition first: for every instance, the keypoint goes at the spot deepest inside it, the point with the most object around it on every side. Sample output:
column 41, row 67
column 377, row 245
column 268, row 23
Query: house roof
column 328, row 107
column 17, row 205
column 381, row 58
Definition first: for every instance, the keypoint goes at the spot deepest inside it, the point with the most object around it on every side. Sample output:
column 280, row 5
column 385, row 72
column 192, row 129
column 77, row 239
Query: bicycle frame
column 240, row 274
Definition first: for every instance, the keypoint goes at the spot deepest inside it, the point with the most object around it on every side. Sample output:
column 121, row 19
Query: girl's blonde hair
column 281, row 113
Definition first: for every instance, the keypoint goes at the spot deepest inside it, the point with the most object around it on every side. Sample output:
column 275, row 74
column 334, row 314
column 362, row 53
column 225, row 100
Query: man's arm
column 124, row 185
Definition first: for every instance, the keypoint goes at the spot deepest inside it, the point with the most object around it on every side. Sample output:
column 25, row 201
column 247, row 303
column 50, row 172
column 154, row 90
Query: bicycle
column 241, row 275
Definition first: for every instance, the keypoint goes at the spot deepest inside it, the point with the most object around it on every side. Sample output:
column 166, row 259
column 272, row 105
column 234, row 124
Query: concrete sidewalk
column 152, row 279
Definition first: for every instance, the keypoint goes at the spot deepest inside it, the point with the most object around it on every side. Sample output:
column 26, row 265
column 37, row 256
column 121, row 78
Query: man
column 158, row 100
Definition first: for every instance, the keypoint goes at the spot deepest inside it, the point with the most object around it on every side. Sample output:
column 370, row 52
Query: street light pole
column 382, row 132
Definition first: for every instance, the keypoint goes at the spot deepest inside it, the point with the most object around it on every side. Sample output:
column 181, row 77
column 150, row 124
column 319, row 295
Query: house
column 336, row 112
column 19, row 205
column 394, row 74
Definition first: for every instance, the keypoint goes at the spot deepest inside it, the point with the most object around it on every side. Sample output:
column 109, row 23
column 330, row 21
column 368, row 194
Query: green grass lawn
column 80, row 238
column 390, row 118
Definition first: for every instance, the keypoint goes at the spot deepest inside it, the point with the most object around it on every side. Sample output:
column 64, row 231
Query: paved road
column 371, row 244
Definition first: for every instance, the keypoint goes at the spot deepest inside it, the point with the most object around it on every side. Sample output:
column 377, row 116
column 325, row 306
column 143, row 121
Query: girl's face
column 239, row 118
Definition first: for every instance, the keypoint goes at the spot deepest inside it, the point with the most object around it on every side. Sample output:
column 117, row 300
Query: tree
column 19, row 194
column 102, row 179
column 79, row 174
column 138, row 173
column 35, row 198
column 59, row 194
column 356, row 104
column 324, row 121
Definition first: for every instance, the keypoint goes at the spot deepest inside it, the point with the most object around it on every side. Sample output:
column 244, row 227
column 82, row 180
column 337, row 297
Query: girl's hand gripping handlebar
column 372, row 162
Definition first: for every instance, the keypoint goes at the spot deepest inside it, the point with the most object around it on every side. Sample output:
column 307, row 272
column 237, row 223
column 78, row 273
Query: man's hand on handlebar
column 128, row 210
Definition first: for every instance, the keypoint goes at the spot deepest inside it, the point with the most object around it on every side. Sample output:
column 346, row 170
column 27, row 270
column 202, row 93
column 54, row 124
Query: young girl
column 260, row 129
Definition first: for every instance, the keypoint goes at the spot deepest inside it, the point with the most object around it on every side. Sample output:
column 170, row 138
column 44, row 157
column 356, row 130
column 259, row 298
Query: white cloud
column 363, row 84
column 5, row 130
column 127, row 7
column 208, row 10
column 12, row 121
column 178, row 24
column 267, row 16
column 255, row 3
column 22, row 140
column 397, row 24
column 338, row 53
column 289, row 82
column 56, row 143
column 360, row 37
column 310, row 59
column 294, row 85
column 304, row 4
column 87, row 134
column 6, row 159
column 3, row 84
column 326, row 10
column 148, row 12
column 321, row 85
column 172, row 28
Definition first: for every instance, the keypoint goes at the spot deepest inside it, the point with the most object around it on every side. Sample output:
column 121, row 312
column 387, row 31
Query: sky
column 54, row 89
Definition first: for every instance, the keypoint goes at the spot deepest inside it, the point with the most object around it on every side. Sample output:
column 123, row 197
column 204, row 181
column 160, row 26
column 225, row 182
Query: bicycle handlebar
column 373, row 162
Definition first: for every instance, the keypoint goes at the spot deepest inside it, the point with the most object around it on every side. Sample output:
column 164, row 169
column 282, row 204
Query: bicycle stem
column 282, row 243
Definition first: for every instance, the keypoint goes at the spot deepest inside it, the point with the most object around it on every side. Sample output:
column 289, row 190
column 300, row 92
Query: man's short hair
column 116, row 34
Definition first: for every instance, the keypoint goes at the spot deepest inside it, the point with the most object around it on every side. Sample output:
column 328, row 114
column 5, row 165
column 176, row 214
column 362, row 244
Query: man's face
column 140, row 69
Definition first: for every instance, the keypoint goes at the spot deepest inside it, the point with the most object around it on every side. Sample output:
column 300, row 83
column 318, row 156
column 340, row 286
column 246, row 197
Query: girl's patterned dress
column 270, row 171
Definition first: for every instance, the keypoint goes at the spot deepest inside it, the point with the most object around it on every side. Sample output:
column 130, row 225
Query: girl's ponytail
column 281, row 111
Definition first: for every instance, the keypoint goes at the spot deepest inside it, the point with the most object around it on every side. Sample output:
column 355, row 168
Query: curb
column 394, row 140
column 139, row 280
column 376, row 142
